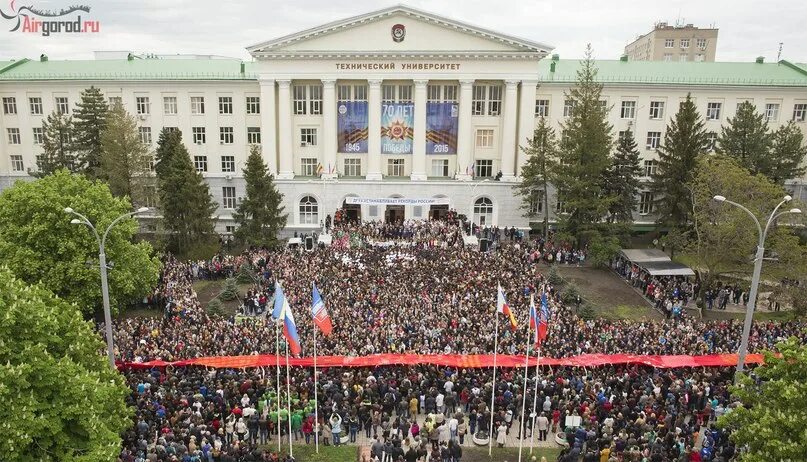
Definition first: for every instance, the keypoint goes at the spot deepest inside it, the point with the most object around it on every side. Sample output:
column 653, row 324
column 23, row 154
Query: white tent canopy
column 655, row 262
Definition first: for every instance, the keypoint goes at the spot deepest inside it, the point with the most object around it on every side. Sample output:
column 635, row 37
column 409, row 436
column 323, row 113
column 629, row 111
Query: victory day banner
column 442, row 125
column 397, row 132
column 352, row 126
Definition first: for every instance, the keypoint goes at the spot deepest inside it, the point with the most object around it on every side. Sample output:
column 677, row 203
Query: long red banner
column 460, row 361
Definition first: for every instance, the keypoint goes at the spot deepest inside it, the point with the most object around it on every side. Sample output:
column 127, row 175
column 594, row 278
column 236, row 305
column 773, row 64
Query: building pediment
column 398, row 31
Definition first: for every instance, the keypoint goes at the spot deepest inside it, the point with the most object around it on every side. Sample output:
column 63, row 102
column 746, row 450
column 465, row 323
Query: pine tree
column 538, row 172
column 58, row 149
column 684, row 142
column 584, row 151
column 90, row 120
column 622, row 179
column 746, row 138
column 786, row 154
column 259, row 215
column 185, row 201
column 124, row 158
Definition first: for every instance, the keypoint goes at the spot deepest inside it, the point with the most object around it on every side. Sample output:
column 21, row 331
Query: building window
column 142, row 105
column 484, row 138
column 150, row 162
column 656, row 110
column 169, row 105
column 200, row 163
column 228, row 197
column 198, row 135
column 395, row 167
column 253, row 105
column 800, row 112
column 650, row 168
column 315, row 99
column 308, row 166
column 359, row 93
column 668, row 57
column 229, row 229
column 254, row 135
column 14, row 136
column 145, row 135
column 62, row 105
column 227, row 164
column 711, row 141
column 9, row 105
column 16, row 164
column 653, row 140
column 352, row 167
column 645, row 203
column 478, row 103
column 494, row 100
column 683, row 57
column 225, row 104
column 684, row 43
column 39, row 135
column 440, row 167
column 713, row 111
column 171, row 129
column 309, row 211
column 115, row 101
column 405, row 93
column 701, row 43
column 536, row 202
column 226, row 135
column 483, row 168
column 483, row 211
column 308, row 137
column 197, row 104
column 628, row 110
column 487, row 99
column 699, row 57
column 542, row 107
column 772, row 112
column 36, row 105
column 568, row 108
column 299, row 99
column 441, row 93
column 669, row 43
column 388, row 93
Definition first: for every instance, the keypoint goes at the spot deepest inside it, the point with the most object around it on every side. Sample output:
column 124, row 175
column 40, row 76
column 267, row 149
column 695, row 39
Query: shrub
column 553, row 277
column 569, row 295
column 215, row 307
column 230, row 291
column 245, row 274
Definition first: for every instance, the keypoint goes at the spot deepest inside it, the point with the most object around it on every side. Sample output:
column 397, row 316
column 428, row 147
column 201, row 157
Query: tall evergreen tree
column 538, row 171
column 185, row 201
column 90, row 120
column 259, row 215
column 684, row 141
column 585, row 146
column 746, row 138
column 124, row 158
column 787, row 153
column 58, row 148
column 622, row 179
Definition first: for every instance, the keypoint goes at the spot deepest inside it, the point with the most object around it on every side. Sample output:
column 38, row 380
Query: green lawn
column 508, row 454
column 307, row 453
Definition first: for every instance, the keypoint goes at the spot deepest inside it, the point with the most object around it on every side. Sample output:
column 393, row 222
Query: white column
column 268, row 124
column 374, row 131
column 284, row 128
column 509, row 130
column 526, row 121
column 464, row 132
column 329, row 128
column 419, row 146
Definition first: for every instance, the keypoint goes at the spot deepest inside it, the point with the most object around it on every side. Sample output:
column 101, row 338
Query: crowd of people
column 416, row 288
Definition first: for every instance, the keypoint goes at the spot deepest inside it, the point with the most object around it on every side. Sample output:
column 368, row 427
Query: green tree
column 770, row 420
column 585, row 145
column 58, row 148
column 746, row 138
column 61, row 399
column 537, row 174
column 259, row 215
column 89, row 123
column 622, row 179
column 787, row 153
column 125, row 159
column 684, row 141
column 39, row 244
column 185, row 200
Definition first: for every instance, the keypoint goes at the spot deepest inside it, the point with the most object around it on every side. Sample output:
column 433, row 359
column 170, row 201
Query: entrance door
column 352, row 212
column 394, row 214
column 438, row 212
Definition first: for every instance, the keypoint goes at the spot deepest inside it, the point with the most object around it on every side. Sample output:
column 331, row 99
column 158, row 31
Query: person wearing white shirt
column 439, row 402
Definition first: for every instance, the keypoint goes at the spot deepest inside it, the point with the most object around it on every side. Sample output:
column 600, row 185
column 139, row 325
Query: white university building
column 397, row 113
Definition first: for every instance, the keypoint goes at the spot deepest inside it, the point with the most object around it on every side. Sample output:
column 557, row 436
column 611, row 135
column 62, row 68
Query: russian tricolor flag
column 321, row 317
column 282, row 311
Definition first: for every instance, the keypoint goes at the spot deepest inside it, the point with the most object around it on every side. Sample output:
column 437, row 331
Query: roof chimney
column 243, row 67
column 555, row 57
column 552, row 66
column 43, row 57
column 760, row 59
column 130, row 57
column 623, row 58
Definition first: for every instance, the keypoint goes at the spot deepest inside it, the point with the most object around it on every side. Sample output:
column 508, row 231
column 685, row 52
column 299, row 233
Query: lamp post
column 82, row 220
column 472, row 185
column 752, row 300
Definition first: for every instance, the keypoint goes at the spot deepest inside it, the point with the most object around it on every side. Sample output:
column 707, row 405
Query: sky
column 220, row 27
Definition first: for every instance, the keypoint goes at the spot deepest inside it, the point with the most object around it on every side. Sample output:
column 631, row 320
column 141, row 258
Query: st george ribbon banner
column 352, row 126
column 396, row 201
column 442, row 125
column 397, row 128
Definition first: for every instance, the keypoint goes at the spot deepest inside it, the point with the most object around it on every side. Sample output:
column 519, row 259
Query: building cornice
column 464, row 55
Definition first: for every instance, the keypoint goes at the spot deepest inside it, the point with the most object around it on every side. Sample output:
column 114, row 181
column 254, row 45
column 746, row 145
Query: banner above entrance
column 396, row 201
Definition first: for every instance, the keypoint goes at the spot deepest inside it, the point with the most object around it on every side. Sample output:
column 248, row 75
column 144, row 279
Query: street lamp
column 102, row 263
column 752, row 300
column 472, row 185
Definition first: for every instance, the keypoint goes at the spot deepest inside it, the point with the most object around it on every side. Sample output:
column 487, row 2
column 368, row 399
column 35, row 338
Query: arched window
column 483, row 211
column 309, row 211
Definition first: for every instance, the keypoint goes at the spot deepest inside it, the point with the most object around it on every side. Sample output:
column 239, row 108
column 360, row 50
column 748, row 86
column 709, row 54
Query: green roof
column 136, row 69
column 683, row 73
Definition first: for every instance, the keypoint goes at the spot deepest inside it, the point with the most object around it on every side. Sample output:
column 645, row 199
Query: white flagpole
column 277, row 363
column 288, row 398
column 535, row 399
column 493, row 389
column 521, row 420
column 316, row 402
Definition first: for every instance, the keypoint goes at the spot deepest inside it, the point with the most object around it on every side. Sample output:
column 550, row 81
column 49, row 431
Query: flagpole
column 316, row 402
column 493, row 390
column 521, row 421
column 288, row 398
column 277, row 364
column 535, row 399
